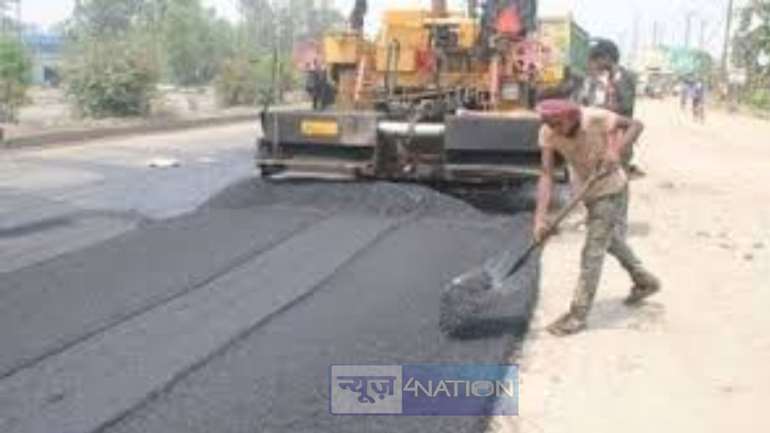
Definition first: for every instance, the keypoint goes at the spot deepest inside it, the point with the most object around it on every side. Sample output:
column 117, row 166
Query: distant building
column 46, row 52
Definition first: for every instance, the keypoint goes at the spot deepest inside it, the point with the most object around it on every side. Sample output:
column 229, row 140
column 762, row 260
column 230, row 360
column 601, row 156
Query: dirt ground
column 694, row 358
column 49, row 110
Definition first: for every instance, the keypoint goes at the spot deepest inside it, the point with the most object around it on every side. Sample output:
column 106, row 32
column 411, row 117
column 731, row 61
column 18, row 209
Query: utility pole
column 662, row 37
column 688, row 28
column 635, row 39
column 728, row 36
column 10, row 18
column 702, row 44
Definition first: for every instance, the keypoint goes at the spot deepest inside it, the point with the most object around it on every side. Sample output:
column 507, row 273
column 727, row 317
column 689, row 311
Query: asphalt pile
column 376, row 198
column 486, row 300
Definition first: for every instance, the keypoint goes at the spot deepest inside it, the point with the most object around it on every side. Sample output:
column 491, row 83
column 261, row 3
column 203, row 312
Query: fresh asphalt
column 171, row 308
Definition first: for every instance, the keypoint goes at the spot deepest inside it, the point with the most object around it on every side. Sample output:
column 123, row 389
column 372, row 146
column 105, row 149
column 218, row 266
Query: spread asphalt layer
column 227, row 319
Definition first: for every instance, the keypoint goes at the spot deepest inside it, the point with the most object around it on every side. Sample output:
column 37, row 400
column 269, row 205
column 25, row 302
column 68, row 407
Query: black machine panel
column 492, row 134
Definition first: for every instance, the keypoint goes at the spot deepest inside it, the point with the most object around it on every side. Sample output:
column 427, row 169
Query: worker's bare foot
column 640, row 292
column 568, row 324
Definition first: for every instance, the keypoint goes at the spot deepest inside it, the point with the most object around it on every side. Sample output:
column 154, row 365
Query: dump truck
column 436, row 96
column 570, row 45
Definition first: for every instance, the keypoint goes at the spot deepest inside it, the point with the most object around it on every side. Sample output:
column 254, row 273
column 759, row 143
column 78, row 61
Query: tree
column 752, row 51
column 258, row 30
column 111, row 18
column 105, row 84
column 195, row 42
column 283, row 23
column 14, row 74
column 111, row 67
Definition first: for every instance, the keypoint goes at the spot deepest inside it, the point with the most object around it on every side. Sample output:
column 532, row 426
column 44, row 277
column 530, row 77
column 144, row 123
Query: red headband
column 558, row 108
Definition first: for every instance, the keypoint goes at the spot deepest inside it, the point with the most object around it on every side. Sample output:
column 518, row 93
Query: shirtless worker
column 591, row 139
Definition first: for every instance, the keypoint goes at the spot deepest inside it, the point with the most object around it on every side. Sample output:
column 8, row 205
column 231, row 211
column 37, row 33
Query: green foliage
column 752, row 43
column 760, row 99
column 283, row 23
column 195, row 42
column 246, row 82
column 235, row 84
column 14, row 74
column 111, row 64
column 113, row 78
column 108, row 18
column 120, row 48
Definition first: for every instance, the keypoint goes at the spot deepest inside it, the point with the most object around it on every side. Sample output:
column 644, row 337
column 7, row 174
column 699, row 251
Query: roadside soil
column 50, row 112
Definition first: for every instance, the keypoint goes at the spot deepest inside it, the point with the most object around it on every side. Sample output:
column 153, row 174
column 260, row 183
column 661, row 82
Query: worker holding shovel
column 592, row 141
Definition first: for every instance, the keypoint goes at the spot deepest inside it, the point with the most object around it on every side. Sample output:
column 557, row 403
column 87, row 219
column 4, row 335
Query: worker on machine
column 358, row 15
column 591, row 140
column 316, row 84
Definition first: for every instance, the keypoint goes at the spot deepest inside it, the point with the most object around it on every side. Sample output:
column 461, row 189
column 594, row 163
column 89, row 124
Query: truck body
column 570, row 44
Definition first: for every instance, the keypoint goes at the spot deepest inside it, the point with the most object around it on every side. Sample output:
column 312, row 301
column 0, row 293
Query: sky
column 615, row 19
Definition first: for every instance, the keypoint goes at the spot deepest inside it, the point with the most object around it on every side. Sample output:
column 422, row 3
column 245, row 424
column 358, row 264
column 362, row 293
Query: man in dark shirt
column 612, row 87
column 609, row 86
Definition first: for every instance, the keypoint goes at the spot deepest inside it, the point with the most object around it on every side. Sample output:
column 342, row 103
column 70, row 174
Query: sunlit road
column 200, row 299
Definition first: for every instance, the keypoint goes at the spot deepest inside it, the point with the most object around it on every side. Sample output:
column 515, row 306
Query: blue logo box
column 424, row 390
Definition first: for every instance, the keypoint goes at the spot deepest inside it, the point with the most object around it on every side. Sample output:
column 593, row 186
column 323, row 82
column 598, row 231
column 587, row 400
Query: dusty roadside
column 694, row 358
column 49, row 119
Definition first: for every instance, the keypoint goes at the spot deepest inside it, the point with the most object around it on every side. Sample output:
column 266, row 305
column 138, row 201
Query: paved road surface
column 58, row 199
column 138, row 302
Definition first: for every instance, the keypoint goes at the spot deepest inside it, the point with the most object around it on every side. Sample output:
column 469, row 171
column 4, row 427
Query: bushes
column 236, row 83
column 115, row 78
column 14, row 74
column 245, row 82
column 760, row 99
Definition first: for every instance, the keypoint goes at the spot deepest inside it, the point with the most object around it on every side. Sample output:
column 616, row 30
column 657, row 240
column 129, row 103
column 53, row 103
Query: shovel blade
column 487, row 301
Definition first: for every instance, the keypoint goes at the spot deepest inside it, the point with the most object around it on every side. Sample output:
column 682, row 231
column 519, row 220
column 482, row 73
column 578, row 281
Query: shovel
column 478, row 292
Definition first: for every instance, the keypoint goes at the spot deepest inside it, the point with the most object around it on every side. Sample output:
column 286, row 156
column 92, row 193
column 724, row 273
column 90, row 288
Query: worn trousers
column 606, row 233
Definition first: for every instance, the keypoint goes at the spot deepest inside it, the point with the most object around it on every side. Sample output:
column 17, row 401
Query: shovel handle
column 571, row 205
column 560, row 217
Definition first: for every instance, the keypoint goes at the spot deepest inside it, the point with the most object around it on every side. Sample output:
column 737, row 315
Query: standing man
column 591, row 140
column 685, row 93
column 699, row 100
column 612, row 87
column 358, row 15
column 315, row 82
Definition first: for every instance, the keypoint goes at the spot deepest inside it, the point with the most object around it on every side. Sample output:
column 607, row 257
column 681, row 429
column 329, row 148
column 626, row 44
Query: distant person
column 315, row 84
column 358, row 15
column 686, row 92
column 699, row 100
column 591, row 140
